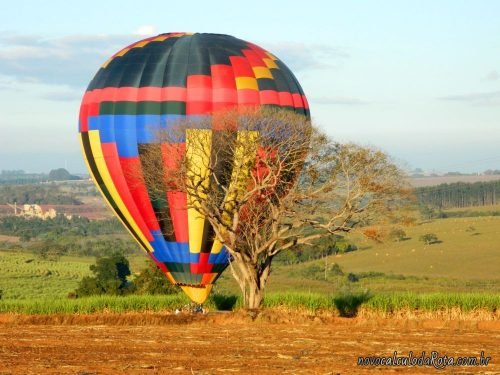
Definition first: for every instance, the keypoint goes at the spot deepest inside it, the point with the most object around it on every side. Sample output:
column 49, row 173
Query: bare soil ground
column 4, row 238
column 233, row 343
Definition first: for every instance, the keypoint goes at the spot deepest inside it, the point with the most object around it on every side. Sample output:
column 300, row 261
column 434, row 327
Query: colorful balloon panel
column 147, row 87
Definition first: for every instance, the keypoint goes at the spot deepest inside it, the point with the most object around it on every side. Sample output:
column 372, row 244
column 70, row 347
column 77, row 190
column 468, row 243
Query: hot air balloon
column 150, row 85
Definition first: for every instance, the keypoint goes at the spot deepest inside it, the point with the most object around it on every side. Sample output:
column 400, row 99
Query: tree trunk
column 254, row 297
column 252, row 281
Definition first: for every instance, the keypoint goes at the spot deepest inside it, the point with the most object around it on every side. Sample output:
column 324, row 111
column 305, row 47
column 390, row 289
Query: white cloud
column 73, row 60
column 146, row 30
column 63, row 95
column 70, row 60
column 300, row 56
column 492, row 76
column 484, row 98
column 339, row 100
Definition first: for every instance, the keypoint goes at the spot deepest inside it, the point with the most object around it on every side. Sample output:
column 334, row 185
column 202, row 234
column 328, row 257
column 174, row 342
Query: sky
column 418, row 79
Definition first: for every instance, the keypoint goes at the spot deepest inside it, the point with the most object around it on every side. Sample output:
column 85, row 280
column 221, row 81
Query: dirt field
column 233, row 343
column 12, row 239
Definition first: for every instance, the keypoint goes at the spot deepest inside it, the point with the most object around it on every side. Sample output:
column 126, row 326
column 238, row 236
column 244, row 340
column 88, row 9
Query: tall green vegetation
column 152, row 280
column 18, row 177
column 382, row 303
column 459, row 194
column 110, row 277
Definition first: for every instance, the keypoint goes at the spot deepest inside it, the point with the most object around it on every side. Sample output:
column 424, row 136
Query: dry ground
column 232, row 343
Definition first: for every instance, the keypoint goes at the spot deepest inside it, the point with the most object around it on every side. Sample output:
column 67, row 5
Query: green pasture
column 487, row 208
column 24, row 275
column 468, row 250
column 312, row 302
column 467, row 259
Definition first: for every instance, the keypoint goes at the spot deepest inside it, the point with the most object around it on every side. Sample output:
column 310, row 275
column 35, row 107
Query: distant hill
column 61, row 174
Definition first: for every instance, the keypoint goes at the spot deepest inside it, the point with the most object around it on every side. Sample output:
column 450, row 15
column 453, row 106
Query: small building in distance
column 34, row 210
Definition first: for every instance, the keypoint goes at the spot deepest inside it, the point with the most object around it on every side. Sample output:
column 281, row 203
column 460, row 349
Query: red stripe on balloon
column 224, row 95
column 198, row 108
column 199, row 95
column 132, row 172
column 269, row 97
column 248, row 97
column 202, row 266
column 258, row 51
column 223, row 106
column 177, row 202
column 199, row 81
column 304, row 100
column 136, row 94
column 253, row 58
column 83, row 118
column 208, row 278
column 223, row 76
column 297, row 101
column 110, row 153
column 286, row 99
column 161, row 265
column 241, row 67
column 173, row 155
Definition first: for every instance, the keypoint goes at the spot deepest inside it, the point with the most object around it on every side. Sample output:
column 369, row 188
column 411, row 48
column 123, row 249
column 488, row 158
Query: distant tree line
column 490, row 172
column 459, row 194
column 20, row 177
column 53, row 249
column 60, row 226
column 37, row 194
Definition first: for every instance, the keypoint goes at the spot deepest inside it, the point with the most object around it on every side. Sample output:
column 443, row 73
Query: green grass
column 117, row 304
column 465, row 259
column 309, row 301
column 312, row 302
column 434, row 301
column 464, row 262
column 491, row 208
column 25, row 276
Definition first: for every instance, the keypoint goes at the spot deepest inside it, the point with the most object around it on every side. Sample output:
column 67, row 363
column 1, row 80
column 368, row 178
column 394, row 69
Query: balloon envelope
column 148, row 86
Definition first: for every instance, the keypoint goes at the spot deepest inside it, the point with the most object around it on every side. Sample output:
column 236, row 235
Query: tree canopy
column 268, row 181
column 110, row 277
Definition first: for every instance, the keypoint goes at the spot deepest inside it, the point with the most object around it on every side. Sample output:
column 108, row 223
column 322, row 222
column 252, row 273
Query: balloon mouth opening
column 197, row 293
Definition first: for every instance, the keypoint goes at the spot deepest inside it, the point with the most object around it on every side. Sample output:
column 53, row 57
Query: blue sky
column 418, row 79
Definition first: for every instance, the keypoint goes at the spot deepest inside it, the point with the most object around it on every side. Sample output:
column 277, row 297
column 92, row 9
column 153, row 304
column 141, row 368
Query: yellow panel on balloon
column 198, row 147
column 244, row 160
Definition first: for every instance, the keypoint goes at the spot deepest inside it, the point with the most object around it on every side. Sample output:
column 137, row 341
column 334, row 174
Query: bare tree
column 266, row 180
